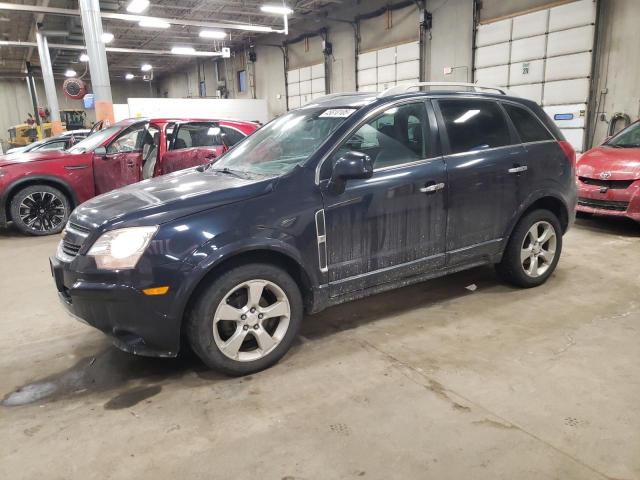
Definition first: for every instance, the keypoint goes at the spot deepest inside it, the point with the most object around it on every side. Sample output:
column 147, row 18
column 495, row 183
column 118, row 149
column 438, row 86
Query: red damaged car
column 609, row 176
column 38, row 190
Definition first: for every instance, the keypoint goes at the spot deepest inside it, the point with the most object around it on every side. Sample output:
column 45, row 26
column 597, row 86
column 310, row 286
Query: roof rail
column 398, row 89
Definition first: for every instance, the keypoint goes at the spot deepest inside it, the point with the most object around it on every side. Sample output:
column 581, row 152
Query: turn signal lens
column 156, row 290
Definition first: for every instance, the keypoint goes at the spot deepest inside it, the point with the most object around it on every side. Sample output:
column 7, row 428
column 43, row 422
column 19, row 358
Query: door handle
column 131, row 163
column 518, row 169
column 432, row 188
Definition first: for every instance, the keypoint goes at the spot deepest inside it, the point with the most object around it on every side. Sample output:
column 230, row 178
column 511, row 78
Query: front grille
column 70, row 249
column 74, row 237
column 78, row 228
column 603, row 204
column 610, row 184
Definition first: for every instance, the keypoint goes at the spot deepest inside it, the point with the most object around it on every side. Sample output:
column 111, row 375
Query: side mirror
column 350, row 166
column 100, row 152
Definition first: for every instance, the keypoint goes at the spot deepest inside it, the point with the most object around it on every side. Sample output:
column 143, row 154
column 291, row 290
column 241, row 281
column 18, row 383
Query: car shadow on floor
column 622, row 226
column 136, row 379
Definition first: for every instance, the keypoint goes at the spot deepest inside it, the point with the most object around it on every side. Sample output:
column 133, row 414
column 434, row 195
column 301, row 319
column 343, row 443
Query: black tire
column 49, row 219
column 200, row 321
column 511, row 268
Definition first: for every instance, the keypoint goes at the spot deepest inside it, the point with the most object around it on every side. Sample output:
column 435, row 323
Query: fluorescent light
column 137, row 6
column 212, row 34
column 466, row 116
column 145, row 67
column 129, row 76
column 278, row 9
column 255, row 28
column 153, row 23
column 70, row 73
column 84, row 57
column 183, row 50
column 107, row 37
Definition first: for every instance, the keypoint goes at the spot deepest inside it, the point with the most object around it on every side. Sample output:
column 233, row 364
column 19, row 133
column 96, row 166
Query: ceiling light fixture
column 137, row 6
column 145, row 67
column 183, row 50
column 277, row 9
column 84, row 58
column 153, row 23
column 70, row 73
column 213, row 34
column 129, row 76
column 107, row 37
column 255, row 28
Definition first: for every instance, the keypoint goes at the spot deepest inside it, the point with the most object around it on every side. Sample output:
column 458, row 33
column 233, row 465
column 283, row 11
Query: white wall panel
column 408, row 70
column 408, row 51
column 293, row 76
column 568, row 66
column 532, row 91
column 305, row 87
column 566, row 92
column 317, row 85
column 305, row 74
column 294, row 89
column 317, row 71
column 575, row 14
column 574, row 40
column 492, row 55
column 387, row 73
column 575, row 136
column 368, row 88
column 526, row 72
column 531, row 48
column 294, row 102
column 530, row 24
column 498, row 76
column 387, row 56
column 368, row 77
column 367, row 60
column 496, row 32
column 568, row 116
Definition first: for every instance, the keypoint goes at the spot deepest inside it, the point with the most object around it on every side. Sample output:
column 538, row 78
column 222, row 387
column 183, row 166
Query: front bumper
column 617, row 202
column 137, row 323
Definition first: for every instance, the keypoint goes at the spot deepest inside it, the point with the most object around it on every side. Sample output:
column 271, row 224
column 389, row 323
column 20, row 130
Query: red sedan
column 609, row 176
column 39, row 190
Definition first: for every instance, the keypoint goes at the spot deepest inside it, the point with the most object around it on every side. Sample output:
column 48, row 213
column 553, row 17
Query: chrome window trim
column 422, row 98
column 407, row 164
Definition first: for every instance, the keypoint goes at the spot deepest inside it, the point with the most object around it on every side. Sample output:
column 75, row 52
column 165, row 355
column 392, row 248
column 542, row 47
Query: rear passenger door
column 193, row 144
column 484, row 162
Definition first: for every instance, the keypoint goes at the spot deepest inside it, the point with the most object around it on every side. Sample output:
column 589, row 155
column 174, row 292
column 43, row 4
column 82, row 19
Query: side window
column 529, row 127
column 130, row 141
column 231, row 136
column 60, row 145
column 197, row 135
column 397, row 136
column 474, row 125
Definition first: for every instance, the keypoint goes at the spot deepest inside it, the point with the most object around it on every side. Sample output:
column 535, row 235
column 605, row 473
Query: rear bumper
column 611, row 202
column 137, row 323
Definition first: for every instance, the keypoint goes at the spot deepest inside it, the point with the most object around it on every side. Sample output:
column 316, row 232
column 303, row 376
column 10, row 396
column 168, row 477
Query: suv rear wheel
column 533, row 250
column 246, row 320
column 40, row 210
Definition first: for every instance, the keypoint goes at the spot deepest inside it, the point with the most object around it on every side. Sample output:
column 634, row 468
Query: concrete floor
column 431, row 381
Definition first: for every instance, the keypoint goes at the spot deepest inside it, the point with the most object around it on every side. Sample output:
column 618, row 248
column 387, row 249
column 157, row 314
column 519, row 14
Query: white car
column 60, row 142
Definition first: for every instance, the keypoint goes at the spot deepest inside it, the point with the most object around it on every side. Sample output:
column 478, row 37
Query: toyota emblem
column 605, row 175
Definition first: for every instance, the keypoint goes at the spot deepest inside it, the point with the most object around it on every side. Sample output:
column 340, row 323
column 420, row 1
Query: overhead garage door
column 387, row 67
column 545, row 56
column 304, row 84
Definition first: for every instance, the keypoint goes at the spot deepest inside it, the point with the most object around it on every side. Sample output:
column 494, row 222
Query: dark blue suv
column 348, row 196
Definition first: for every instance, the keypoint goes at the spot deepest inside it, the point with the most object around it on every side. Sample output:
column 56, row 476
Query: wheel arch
column 15, row 187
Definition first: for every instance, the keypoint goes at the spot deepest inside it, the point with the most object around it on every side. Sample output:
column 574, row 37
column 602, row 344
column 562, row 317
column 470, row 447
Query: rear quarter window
column 527, row 125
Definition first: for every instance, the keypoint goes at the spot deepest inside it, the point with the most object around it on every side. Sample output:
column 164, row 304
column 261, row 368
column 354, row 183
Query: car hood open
column 621, row 163
column 165, row 198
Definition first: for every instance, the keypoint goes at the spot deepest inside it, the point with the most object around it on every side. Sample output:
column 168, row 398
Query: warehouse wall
column 493, row 9
column 450, row 41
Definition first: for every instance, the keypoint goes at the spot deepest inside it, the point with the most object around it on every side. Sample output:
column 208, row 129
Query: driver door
column 192, row 144
column 122, row 164
column 393, row 224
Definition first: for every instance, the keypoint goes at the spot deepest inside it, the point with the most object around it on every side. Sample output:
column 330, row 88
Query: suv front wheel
column 533, row 250
column 245, row 320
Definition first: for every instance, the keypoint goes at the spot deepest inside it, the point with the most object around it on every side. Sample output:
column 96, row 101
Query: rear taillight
column 569, row 152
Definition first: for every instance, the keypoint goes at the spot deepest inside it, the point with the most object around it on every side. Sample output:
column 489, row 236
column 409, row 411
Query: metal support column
column 31, row 84
column 92, row 27
column 49, row 83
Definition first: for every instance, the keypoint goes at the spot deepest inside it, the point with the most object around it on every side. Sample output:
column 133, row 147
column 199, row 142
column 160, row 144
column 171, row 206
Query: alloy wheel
column 42, row 211
column 251, row 320
column 538, row 249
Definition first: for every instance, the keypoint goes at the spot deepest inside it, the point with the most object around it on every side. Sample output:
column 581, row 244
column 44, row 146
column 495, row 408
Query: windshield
column 285, row 142
column 95, row 139
column 627, row 138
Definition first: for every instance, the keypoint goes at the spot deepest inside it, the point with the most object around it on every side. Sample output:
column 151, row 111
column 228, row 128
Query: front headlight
column 121, row 249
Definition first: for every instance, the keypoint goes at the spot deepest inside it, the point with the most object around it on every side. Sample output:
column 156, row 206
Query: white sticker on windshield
column 337, row 113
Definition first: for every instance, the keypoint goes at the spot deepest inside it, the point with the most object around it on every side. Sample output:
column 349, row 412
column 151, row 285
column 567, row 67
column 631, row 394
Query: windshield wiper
column 228, row 171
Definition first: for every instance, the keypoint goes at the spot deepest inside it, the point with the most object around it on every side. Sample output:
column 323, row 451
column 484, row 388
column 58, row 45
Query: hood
column 621, row 163
column 25, row 157
column 162, row 199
